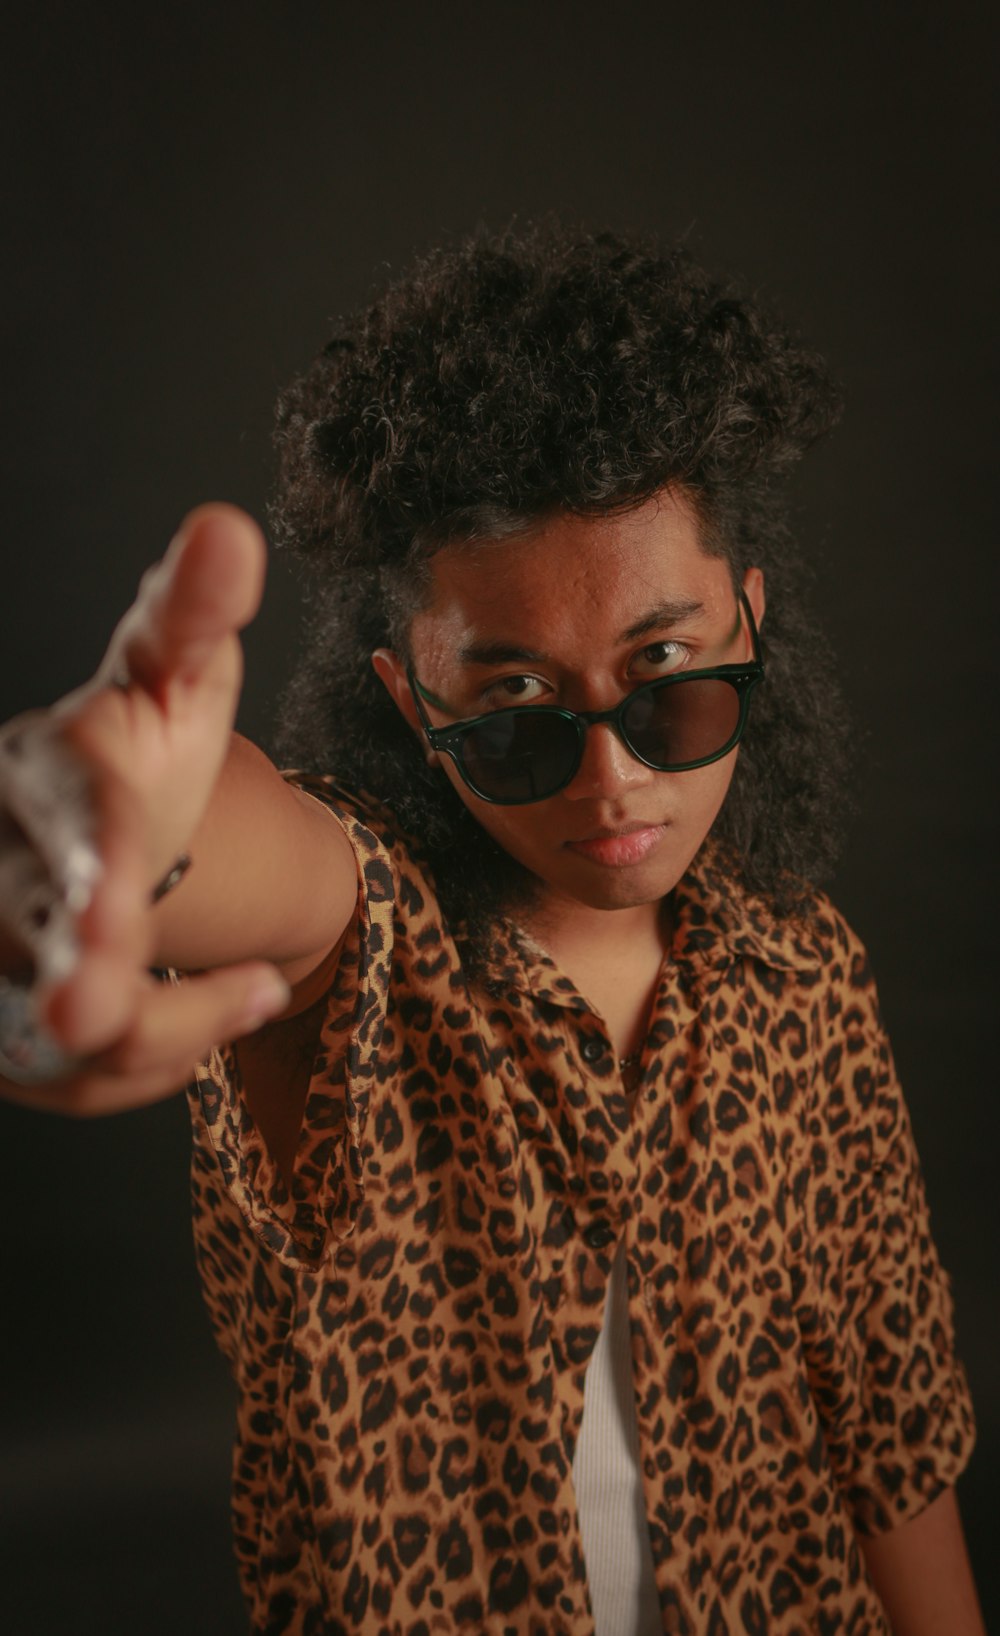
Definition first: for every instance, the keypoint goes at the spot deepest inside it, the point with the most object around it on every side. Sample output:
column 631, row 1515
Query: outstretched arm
column 273, row 880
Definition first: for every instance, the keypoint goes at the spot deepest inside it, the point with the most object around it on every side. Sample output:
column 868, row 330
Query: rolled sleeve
column 298, row 1223
column 875, row 1305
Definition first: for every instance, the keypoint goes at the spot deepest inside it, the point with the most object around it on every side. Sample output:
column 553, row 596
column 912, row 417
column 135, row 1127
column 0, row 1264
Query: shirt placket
column 597, row 1105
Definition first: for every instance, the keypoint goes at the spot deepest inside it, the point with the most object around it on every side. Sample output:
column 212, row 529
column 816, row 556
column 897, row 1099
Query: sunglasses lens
column 682, row 721
column 520, row 755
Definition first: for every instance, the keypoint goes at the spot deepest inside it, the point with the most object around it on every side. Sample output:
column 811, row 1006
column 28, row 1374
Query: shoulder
column 809, row 989
column 719, row 919
column 406, row 942
column 389, row 861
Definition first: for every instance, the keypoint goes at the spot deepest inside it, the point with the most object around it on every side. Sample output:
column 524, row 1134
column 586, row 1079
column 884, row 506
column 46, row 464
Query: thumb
column 207, row 587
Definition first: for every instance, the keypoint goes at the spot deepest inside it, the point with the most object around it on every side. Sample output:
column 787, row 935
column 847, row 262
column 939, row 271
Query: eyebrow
column 673, row 612
column 664, row 614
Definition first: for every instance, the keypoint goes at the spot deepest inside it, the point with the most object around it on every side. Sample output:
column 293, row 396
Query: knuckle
column 88, row 730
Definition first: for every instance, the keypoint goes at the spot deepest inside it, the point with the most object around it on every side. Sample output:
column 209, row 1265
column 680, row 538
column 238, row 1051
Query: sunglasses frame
column 743, row 678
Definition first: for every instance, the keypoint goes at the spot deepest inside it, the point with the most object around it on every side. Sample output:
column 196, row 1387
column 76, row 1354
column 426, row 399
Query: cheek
column 708, row 790
column 521, row 831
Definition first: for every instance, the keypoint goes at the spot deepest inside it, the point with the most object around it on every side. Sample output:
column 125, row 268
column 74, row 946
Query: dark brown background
column 190, row 201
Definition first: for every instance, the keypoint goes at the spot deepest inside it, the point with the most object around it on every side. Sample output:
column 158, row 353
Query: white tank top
column 608, row 1481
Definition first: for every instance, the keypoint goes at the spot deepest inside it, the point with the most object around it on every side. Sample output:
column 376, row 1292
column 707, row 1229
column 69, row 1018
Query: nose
column 608, row 769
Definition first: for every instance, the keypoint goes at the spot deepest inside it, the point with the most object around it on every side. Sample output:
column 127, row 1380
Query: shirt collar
column 716, row 923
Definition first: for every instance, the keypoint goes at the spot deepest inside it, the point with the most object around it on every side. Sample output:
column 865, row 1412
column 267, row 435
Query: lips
column 614, row 847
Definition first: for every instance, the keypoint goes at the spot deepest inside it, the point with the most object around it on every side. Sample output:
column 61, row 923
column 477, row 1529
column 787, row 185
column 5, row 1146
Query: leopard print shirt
column 409, row 1324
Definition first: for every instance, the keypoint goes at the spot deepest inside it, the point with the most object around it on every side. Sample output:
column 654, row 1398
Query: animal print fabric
column 409, row 1324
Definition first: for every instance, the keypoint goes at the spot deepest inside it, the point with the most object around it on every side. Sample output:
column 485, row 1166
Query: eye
column 659, row 659
column 513, row 690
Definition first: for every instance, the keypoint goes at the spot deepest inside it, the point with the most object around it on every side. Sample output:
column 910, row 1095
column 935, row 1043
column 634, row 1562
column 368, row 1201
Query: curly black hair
column 499, row 382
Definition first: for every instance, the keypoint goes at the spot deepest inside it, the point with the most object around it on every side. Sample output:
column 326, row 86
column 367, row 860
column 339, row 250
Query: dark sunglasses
column 529, row 752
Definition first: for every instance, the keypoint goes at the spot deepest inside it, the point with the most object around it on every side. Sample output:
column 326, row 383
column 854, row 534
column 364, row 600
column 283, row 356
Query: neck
column 577, row 934
column 614, row 957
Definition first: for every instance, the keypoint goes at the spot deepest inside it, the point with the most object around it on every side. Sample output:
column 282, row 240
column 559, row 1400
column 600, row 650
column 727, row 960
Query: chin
column 621, row 889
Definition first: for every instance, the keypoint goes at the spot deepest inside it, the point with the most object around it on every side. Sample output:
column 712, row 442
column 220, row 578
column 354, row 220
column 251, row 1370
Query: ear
column 391, row 672
column 753, row 586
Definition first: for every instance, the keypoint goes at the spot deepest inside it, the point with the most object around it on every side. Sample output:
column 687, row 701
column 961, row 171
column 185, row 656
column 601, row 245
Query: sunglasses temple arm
column 419, row 694
column 754, row 637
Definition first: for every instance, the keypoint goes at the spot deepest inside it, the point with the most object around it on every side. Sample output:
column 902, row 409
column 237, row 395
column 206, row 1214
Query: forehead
column 572, row 582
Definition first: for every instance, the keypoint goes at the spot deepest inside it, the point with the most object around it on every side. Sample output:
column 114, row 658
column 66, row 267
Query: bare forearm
column 272, row 876
column 922, row 1572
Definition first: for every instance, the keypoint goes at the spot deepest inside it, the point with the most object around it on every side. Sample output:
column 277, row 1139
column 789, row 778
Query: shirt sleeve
column 874, row 1303
column 297, row 1223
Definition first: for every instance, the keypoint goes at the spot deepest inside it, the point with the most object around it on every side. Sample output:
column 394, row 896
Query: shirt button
column 591, row 1049
column 598, row 1235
